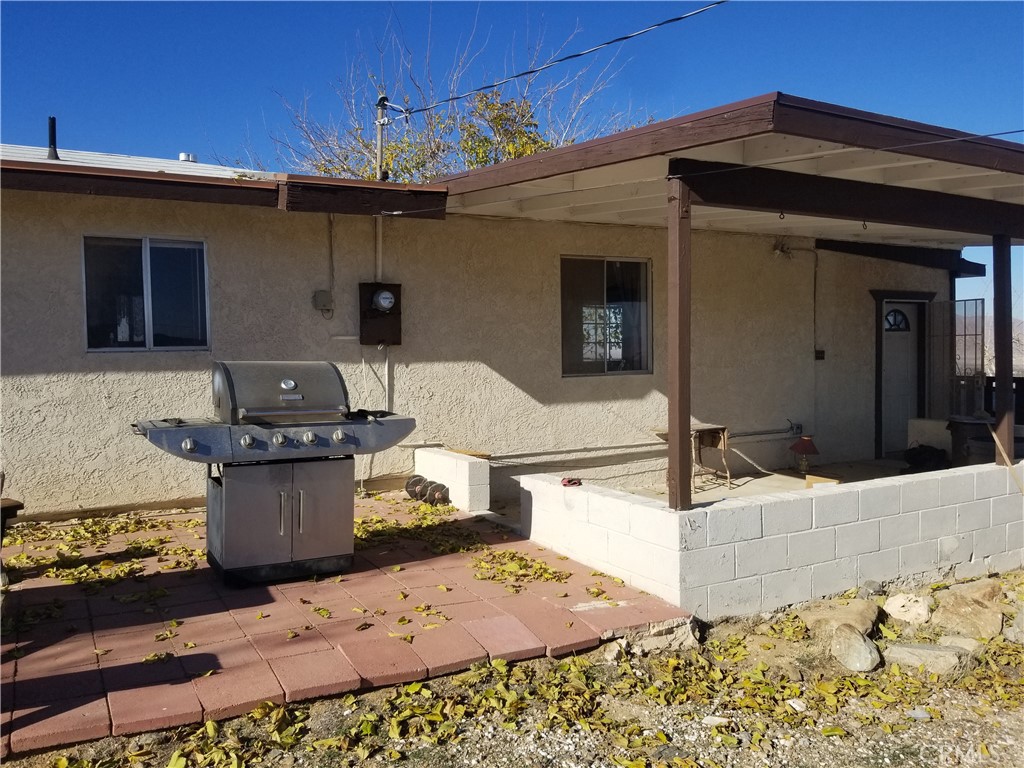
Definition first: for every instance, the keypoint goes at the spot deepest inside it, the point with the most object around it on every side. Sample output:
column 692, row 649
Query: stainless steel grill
column 280, row 478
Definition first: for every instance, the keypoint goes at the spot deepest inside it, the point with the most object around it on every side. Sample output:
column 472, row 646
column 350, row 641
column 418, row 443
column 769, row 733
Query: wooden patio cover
column 784, row 165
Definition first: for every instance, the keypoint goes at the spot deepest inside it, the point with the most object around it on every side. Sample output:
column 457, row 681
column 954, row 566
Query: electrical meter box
column 380, row 314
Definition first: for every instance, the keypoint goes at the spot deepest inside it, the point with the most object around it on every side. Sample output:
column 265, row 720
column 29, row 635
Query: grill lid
column 278, row 392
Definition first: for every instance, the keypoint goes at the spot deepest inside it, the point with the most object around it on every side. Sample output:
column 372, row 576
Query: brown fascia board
column 774, row 112
column 938, row 258
column 88, row 180
column 796, row 116
column 741, row 119
column 355, row 197
column 285, row 191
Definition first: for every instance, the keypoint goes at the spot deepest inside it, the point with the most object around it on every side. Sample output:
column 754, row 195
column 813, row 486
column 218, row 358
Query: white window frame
column 147, row 293
column 649, row 335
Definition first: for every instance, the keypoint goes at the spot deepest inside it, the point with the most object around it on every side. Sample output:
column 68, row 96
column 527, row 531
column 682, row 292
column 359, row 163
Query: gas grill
column 279, row 452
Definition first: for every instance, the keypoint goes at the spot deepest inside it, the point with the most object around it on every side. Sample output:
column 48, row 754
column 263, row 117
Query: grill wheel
column 436, row 493
column 412, row 486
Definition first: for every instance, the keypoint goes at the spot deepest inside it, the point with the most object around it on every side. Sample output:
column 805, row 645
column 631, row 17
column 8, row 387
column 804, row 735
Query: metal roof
column 127, row 162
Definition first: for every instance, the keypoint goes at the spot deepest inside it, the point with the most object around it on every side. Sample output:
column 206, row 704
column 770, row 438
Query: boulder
column 913, row 609
column 854, row 651
column 1015, row 632
column 974, row 647
column 934, row 658
column 960, row 614
column 823, row 616
column 988, row 591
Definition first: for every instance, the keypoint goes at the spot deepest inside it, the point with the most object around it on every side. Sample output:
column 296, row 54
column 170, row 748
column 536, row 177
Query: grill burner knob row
column 247, row 441
column 309, row 438
column 280, row 440
column 188, row 445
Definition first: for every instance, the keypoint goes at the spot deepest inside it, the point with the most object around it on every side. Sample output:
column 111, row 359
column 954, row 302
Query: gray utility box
column 281, row 519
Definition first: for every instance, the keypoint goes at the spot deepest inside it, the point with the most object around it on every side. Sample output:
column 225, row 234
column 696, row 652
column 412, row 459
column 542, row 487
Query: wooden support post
column 680, row 263
column 1002, row 311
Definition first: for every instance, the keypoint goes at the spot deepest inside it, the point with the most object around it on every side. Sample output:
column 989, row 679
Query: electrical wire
column 561, row 60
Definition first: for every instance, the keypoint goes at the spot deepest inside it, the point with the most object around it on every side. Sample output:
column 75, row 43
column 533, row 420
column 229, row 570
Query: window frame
column 648, row 319
column 147, row 291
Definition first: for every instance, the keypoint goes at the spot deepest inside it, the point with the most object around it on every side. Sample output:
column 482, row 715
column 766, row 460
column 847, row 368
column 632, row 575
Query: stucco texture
column 480, row 362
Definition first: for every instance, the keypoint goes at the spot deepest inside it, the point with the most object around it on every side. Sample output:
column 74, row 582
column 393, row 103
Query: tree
column 525, row 116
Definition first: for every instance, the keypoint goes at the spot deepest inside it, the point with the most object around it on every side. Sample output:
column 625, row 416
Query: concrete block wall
column 621, row 534
column 468, row 478
column 756, row 554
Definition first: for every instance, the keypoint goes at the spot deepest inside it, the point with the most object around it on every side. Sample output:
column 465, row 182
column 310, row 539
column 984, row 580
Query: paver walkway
column 168, row 644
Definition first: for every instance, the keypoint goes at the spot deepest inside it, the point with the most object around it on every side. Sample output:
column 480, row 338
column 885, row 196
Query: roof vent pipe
column 52, row 153
column 187, row 157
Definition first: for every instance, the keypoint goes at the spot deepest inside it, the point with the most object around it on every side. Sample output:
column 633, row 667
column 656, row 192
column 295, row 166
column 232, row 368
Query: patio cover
column 857, row 182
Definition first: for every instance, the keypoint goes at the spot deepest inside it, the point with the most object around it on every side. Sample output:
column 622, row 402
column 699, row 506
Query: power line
column 409, row 112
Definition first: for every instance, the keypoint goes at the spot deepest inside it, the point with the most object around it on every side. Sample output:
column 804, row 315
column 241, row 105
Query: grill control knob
column 309, row 438
column 188, row 445
column 280, row 440
column 338, row 436
column 247, row 441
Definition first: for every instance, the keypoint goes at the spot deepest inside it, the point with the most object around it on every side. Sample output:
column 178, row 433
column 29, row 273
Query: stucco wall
column 480, row 364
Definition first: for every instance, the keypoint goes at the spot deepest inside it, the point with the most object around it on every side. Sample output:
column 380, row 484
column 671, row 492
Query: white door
column 901, row 333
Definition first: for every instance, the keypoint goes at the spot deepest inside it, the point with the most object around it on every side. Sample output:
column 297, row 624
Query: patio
column 131, row 631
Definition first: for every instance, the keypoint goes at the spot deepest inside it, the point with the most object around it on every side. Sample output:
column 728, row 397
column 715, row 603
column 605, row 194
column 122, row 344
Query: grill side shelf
column 209, row 442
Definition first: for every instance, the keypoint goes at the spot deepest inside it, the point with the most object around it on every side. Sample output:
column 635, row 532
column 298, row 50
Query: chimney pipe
column 52, row 154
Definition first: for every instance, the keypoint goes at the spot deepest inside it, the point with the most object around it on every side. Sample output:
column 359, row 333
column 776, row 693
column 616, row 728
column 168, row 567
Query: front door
column 901, row 372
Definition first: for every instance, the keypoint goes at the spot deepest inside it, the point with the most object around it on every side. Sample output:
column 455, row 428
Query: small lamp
column 803, row 448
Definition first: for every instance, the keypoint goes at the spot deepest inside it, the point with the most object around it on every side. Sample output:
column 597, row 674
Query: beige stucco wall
column 480, row 364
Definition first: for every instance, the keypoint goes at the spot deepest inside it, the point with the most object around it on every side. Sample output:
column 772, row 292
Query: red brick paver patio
column 172, row 645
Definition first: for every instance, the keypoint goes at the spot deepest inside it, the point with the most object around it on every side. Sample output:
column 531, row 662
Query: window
column 605, row 316
column 896, row 321
column 145, row 294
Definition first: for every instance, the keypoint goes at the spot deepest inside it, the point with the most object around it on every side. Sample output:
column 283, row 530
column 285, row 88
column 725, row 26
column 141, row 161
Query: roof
column 126, row 162
column 775, row 164
column 97, row 173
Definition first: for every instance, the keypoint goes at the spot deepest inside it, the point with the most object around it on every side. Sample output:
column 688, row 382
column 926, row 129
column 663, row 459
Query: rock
column 969, row 644
column 787, row 669
column 942, row 660
column 1015, row 632
column 854, row 651
column 918, row 714
column 672, row 626
column 868, row 589
column 913, row 609
column 615, row 651
column 712, row 721
column 988, row 591
column 961, row 614
column 822, row 617
column 798, row 705
column 676, row 637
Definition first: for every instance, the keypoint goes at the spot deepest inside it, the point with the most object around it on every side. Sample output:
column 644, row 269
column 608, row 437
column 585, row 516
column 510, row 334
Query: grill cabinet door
column 322, row 508
column 257, row 512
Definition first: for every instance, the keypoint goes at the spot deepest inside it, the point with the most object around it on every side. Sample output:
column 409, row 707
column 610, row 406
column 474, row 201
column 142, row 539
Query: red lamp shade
column 804, row 447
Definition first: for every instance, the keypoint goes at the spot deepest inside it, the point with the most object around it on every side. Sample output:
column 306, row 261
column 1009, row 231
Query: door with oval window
column 902, row 378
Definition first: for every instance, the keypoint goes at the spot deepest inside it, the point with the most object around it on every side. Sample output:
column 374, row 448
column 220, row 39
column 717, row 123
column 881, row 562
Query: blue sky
column 152, row 78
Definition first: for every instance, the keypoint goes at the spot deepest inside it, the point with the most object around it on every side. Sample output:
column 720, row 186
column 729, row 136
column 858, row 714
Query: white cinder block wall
column 468, row 478
column 748, row 555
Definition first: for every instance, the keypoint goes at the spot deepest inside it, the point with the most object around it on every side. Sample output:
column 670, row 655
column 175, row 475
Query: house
column 769, row 263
